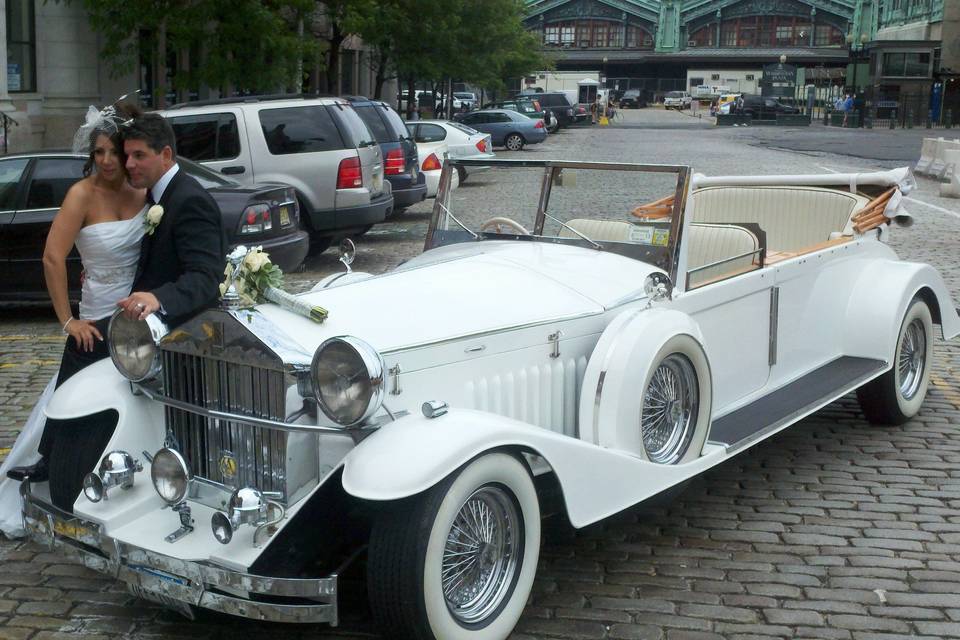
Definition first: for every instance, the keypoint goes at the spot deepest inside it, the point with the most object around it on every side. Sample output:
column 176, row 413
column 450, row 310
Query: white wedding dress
column 109, row 252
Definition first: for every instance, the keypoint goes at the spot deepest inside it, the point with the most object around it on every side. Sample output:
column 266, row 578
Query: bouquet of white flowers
column 252, row 279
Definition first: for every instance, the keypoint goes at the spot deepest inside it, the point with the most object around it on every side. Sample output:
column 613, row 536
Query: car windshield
column 620, row 208
column 464, row 96
column 675, row 94
column 208, row 178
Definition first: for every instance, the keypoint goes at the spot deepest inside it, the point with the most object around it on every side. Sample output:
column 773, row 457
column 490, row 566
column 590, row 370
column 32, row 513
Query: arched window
column 767, row 31
column 595, row 34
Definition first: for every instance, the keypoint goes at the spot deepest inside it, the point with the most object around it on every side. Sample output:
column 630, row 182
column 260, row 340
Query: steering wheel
column 498, row 222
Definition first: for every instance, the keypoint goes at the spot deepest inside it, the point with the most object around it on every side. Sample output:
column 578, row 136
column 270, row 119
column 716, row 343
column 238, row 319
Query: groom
column 179, row 273
column 181, row 262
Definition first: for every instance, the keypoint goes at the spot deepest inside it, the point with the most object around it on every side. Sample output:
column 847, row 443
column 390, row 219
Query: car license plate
column 182, row 608
column 71, row 529
column 284, row 216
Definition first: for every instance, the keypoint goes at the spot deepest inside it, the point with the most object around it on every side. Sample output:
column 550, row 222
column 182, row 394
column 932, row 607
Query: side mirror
column 348, row 252
column 657, row 286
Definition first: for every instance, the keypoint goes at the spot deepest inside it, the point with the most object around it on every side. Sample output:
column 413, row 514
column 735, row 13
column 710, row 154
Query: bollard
column 871, row 115
column 826, row 117
column 948, row 119
column 893, row 119
column 909, row 118
column 929, row 119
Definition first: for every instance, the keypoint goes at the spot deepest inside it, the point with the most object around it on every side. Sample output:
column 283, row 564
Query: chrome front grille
column 260, row 453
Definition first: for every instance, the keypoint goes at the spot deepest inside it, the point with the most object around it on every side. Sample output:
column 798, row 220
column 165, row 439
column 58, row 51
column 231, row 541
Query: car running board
column 792, row 402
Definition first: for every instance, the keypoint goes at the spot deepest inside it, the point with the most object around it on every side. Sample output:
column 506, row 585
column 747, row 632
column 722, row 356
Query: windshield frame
column 670, row 262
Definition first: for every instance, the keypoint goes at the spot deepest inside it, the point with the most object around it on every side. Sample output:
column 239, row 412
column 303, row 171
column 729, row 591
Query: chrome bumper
column 179, row 584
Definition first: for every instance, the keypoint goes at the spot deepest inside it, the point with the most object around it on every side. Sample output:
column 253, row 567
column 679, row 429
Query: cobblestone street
column 832, row 529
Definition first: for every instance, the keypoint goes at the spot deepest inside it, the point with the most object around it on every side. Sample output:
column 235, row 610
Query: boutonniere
column 154, row 214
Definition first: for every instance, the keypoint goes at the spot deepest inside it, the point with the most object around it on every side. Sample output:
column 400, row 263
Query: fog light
column 93, row 487
column 170, row 475
column 117, row 469
column 222, row 528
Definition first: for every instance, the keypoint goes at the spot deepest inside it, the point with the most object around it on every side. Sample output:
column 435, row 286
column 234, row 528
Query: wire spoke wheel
column 481, row 553
column 671, row 403
column 911, row 361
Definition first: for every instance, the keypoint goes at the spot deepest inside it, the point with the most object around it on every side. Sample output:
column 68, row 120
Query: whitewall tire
column 898, row 394
column 457, row 562
column 675, row 403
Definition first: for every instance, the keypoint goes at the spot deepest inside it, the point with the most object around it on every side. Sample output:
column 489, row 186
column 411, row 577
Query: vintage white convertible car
column 573, row 342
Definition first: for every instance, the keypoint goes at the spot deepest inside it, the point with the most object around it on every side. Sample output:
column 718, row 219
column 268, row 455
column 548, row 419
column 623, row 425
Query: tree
column 243, row 45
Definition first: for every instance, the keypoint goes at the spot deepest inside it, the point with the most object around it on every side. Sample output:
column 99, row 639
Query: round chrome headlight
column 170, row 475
column 117, row 462
column 347, row 376
column 133, row 345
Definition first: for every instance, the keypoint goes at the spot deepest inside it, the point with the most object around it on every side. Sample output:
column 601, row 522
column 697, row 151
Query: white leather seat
column 709, row 243
column 792, row 217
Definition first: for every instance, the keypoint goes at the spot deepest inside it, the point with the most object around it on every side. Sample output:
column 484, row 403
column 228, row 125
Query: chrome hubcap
column 481, row 554
column 670, row 406
column 911, row 360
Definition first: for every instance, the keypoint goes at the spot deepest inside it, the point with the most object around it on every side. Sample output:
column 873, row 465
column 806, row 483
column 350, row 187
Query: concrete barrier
column 928, row 153
column 951, row 172
column 939, row 166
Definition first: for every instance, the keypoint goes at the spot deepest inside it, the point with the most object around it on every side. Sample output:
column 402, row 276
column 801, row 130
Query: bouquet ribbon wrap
column 294, row 304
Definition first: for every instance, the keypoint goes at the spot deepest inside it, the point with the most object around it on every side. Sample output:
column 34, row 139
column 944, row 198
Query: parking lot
column 832, row 529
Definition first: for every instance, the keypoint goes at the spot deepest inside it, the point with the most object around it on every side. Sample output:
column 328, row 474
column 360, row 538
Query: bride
column 103, row 216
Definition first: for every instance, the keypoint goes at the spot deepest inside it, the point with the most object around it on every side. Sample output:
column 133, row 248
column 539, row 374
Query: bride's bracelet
column 64, row 329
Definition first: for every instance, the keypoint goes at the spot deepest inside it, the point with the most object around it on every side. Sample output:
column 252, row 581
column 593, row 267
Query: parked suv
column 528, row 106
column 320, row 146
column 632, row 99
column 677, row 100
column 398, row 148
column 556, row 103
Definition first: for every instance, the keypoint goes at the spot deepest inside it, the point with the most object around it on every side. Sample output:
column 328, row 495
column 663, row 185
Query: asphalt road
column 832, row 529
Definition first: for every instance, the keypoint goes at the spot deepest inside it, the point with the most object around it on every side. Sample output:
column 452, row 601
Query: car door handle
column 232, row 170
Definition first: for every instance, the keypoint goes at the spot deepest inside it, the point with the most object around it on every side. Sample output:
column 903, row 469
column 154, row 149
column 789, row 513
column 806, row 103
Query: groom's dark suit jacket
column 182, row 262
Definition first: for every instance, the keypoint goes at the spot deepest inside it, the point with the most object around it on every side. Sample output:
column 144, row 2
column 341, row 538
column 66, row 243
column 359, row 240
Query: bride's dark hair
column 112, row 128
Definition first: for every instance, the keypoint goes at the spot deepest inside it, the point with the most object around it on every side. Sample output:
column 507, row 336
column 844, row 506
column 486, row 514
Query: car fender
column 100, row 387
column 412, row 454
column 619, row 365
column 879, row 300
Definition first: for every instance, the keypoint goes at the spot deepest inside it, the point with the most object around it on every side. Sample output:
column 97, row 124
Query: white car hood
column 467, row 289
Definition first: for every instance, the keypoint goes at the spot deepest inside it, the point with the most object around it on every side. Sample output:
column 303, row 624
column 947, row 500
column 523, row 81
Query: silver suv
column 319, row 146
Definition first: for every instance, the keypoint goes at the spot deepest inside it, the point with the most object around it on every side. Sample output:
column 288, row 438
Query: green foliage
column 247, row 44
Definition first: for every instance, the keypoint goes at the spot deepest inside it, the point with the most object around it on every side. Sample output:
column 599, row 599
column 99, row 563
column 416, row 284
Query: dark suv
column 632, row 99
column 400, row 165
column 556, row 103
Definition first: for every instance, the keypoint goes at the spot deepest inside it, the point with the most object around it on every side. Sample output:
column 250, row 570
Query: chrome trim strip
column 235, row 417
column 180, row 580
column 720, row 262
column 774, row 320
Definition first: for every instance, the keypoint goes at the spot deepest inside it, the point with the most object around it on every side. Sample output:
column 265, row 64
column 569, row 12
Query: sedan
column 432, row 157
column 463, row 143
column 528, row 107
column 33, row 186
column 507, row 128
